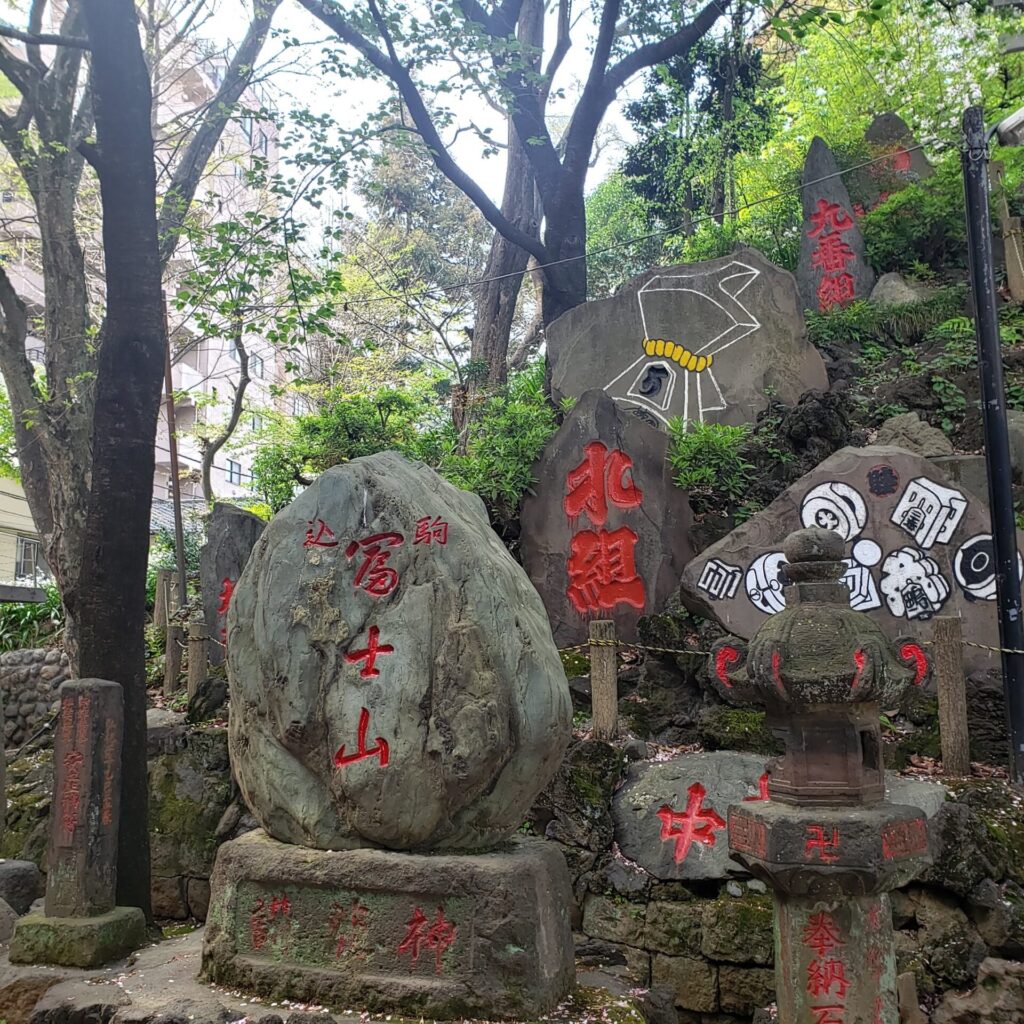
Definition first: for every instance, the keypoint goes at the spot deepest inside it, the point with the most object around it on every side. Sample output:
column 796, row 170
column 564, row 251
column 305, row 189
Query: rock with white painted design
column 706, row 341
column 393, row 677
column 916, row 546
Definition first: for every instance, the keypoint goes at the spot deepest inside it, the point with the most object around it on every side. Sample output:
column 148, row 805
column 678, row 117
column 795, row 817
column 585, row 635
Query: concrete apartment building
column 204, row 370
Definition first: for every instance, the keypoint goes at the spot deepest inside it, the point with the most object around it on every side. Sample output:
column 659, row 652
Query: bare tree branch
column 417, row 108
column 190, row 168
column 35, row 40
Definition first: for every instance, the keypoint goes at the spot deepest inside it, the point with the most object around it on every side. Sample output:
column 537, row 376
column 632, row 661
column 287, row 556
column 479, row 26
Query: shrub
column 26, row 625
column 708, row 458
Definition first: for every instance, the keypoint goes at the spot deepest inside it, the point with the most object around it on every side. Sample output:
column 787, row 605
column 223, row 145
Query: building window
column 297, row 408
column 7, row 196
column 256, row 423
column 234, row 472
column 35, row 355
column 262, row 143
column 30, row 563
column 256, row 366
column 247, row 128
column 232, row 353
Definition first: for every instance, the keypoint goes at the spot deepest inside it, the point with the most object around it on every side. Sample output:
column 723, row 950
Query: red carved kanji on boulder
column 599, row 479
column 832, row 254
column 380, row 750
column 437, row 937
column 374, row 575
column 369, row 654
column 602, row 570
column 696, row 824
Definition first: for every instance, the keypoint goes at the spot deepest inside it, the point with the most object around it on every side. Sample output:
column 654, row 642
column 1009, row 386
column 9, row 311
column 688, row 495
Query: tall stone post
column 826, row 841
column 81, row 926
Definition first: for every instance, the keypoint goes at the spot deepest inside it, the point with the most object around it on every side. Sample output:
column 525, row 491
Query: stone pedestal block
column 442, row 936
column 78, row 941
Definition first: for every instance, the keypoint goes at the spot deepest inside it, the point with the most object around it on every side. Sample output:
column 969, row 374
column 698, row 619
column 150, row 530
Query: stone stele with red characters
column 832, row 270
column 395, row 691
column 605, row 535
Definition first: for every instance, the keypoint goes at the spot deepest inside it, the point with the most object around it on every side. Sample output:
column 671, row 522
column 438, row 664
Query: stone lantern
column 826, row 840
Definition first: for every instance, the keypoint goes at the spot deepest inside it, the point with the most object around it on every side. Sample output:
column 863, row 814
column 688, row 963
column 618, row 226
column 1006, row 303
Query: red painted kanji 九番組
column 832, row 254
column 227, row 589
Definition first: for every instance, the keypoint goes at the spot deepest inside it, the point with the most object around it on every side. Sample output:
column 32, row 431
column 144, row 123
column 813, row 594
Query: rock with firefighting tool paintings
column 709, row 342
column 832, row 270
column 916, row 545
column 392, row 673
column 605, row 535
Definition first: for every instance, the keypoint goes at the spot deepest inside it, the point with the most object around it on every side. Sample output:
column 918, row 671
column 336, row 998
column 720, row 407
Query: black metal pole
column 997, row 443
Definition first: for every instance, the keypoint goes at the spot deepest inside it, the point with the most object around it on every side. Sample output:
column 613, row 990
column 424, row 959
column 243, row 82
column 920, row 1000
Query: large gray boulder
column 393, row 677
column 231, row 534
column 706, row 341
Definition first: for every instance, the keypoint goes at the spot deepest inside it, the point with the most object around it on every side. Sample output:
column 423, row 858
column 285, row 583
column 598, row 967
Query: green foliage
column 503, row 439
column 162, row 553
column 616, row 214
column 708, row 458
column 26, row 625
column 875, row 328
column 953, row 403
column 921, row 224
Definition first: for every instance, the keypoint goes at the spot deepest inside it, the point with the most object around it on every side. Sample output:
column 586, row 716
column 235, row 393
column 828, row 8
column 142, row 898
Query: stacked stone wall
column 29, row 681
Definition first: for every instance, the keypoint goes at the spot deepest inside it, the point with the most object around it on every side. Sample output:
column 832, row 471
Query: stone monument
column 397, row 702
column 605, row 533
column 916, row 545
column 832, row 270
column 709, row 342
column 231, row 534
column 826, row 840
column 81, row 926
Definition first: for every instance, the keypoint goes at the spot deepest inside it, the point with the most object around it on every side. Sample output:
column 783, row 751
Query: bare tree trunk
column 111, row 608
column 213, row 446
column 506, row 262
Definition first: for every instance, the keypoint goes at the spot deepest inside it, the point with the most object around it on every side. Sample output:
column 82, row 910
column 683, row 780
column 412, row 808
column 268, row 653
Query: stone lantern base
column 78, row 941
column 431, row 935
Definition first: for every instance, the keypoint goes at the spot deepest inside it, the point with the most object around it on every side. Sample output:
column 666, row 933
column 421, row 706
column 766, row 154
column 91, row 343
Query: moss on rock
column 723, row 728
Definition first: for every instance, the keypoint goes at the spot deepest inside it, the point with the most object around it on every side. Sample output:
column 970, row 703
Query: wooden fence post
column 172, row 658
column 604, row 682
column 198, row 656
column 162, row 601
column 947, row 643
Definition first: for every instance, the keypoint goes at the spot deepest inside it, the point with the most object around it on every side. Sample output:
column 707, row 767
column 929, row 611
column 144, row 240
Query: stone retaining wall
column 28, row 686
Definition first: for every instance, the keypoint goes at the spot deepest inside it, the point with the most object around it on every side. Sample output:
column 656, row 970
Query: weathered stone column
column 82, row 927
column 826, row 840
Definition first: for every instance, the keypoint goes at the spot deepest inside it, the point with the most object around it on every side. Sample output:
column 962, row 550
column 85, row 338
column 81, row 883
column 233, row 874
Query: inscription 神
column 83, row 828
column 436, row 936
column 602, row 563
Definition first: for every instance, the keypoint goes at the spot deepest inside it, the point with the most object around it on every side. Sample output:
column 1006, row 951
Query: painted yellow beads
column 678, row 354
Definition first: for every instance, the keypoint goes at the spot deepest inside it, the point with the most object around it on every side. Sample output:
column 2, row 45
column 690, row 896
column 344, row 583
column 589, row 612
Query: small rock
column 909, row 431
column 310, row 1018
column 7, row 919
column 998, row 998
column 70, row 1002
column 893, row 289
column 734, row 889
column 756, row 885
column 634, row 750
column 20, row 883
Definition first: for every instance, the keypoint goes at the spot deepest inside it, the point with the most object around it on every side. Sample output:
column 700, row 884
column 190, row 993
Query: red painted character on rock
column 323, row 538
column 227, row 589
column 438, row 937
column 381, row 751
column 369, row 654
column 355, row 920
column 375, row 576
column 431, row 532
column 820, row 846
column 602, row 570
column 832, row 254
column 697, row 824
column 599, row 479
